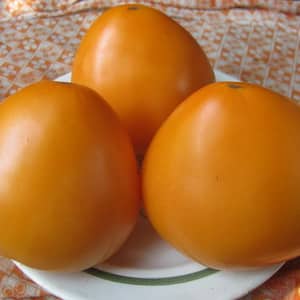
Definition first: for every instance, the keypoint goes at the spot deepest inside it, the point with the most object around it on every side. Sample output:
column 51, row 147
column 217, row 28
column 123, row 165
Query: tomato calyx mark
column 234, row 86
column 133, row 8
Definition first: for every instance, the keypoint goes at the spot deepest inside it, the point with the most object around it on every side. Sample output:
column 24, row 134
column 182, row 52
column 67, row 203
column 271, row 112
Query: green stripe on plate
column 151, row 281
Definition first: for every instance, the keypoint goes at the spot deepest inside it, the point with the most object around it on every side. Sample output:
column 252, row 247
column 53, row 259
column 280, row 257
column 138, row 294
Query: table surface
column 254, row 40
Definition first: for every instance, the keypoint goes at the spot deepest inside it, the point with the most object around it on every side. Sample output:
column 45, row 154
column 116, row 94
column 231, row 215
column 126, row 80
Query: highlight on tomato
column 69, row 191
column 144, row 64
column 221, row 177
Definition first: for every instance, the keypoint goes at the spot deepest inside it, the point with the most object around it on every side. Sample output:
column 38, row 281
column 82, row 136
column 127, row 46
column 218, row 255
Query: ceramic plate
column 148, row 268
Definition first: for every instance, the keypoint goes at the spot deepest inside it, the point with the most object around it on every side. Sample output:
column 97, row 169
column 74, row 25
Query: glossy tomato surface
column 68, row 179
column 221, row 177
column 143, row 63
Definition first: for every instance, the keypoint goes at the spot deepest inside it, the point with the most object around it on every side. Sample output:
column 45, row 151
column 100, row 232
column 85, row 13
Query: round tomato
column 221, row 177
column 68, row 178
column 143, row 63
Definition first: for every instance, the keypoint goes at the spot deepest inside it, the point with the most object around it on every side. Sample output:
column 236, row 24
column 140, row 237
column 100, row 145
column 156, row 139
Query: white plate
column 148, row 268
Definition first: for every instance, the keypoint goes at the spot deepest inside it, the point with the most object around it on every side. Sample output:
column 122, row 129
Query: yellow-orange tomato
column 143, row 63
column 221, row 177
column 68, row 178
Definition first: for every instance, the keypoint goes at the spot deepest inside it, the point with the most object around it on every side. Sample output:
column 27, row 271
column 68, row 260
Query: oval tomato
column 143, row 63
column 221, row 177
column 68, row 178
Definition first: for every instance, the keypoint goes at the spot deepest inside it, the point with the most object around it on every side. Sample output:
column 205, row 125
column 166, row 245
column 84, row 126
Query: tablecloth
column 254, row 40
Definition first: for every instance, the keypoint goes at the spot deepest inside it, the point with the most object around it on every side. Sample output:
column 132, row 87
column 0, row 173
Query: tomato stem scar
column 234, row 86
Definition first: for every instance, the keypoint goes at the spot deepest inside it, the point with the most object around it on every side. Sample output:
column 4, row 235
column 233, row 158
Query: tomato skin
column 69, row 194
column 221, row 177
column 143, row 63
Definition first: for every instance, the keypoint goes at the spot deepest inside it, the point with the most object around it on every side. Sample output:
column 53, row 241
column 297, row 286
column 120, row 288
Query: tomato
column 69, row 194
column 143, row 63
column 221, row 177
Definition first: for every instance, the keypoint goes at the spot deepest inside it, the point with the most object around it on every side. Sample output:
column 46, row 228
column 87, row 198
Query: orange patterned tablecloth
column 255, row 40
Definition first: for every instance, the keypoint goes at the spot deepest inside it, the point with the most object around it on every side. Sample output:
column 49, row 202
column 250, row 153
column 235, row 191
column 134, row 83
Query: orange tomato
column 143, row 63
column 221, row 177
column 68, row 178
